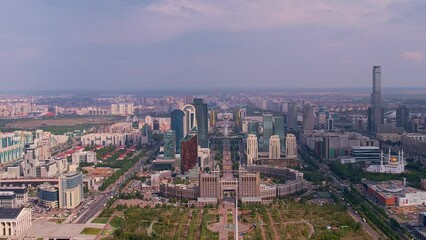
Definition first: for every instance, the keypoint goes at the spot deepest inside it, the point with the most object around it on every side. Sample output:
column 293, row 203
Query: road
column 340, row 184
column 111, row 191
column 373, row 234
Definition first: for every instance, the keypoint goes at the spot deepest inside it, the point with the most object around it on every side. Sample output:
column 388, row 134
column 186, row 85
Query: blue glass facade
column 177, row 126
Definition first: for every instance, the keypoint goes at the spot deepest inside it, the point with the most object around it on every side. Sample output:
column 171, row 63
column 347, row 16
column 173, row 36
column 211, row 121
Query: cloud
column 167, row 19
column 414, row 56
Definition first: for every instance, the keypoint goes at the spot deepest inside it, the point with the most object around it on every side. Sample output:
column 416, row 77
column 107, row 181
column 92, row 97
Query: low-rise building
column 20, row 192
column 7, row 200
column 395, row 193
column 14, row 221
column 83, row 156
column 48, row 196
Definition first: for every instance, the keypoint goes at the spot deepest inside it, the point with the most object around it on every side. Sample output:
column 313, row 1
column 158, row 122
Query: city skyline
column 147, row 45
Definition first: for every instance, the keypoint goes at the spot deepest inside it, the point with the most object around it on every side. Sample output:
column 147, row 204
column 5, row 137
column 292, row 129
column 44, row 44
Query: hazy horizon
column 184, row 44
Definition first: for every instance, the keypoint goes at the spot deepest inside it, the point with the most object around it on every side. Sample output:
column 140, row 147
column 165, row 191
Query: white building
column 104, row 139
column 189, row 118
column 274, row 147
column 394, row 165
column 122, row 109
column 204, row 156
column 83, row 156
column 252, row 148
column 14, row 221
column 290, row 146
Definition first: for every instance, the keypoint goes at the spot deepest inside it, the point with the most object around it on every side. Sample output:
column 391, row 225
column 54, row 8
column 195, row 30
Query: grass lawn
column 91, row 231
column 230, row 217
column 102, row 220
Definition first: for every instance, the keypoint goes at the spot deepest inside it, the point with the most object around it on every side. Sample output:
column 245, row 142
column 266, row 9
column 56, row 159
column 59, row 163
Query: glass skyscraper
column 176, row 119
column 268, row 130
column 201, row 113
column 169, row 144
column 279, row 130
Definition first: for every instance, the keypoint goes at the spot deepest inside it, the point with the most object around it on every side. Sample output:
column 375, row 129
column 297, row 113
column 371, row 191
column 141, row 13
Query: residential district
column 223, row 165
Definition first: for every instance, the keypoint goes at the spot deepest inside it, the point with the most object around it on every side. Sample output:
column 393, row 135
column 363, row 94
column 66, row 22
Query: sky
column 210, row 44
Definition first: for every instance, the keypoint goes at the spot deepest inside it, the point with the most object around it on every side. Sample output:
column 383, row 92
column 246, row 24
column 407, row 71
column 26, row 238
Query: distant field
column 56, row 125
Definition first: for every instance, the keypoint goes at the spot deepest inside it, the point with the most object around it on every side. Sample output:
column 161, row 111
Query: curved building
column 48, row 196
column 189, row 119
column 70, row 190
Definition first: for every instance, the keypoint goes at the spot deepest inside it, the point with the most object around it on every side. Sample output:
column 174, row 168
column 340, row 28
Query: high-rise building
column 292, row 116
column 376, row 116
column 176, row 122
column 189, row 119
column 70, row 190
column 188, row 99
column 189, row 151
column 308, row 118
column 279, row 130
column 274, row 147
column 156, row 125
column 330, row 124
column 169, row 143
column 254, row 128
column 201, row 112
column 212, row 117
column 403, row 117
column 290, row 146
column 252, row 148
column 267, row 130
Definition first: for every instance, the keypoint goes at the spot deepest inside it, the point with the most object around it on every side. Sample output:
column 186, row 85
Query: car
column 363, row 219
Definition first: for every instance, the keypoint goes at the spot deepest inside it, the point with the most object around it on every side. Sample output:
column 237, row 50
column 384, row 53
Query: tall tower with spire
column 375, row 113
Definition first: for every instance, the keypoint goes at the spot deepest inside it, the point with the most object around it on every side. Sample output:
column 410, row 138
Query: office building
column 14, row 221
column 189, row 152
column 290, row 146
column 177, row 119
column 189, row 119
column 122, row 109
column 209, row 185
column 330, row 124
column 169, row 143
column 308, row 118
column 83, row 156
column 252, row 148
column 403, row 118
column 8, row 199
column 20, row 192
column 365, row 153
column 274, row 147
column 279, row 130
column 267, row 130
column 248, row 184
column 212, row 117
column 201, row 113
column 70, row 190
column 375, row 112
column 48, row 196
column 254, row 128
column 292, row 116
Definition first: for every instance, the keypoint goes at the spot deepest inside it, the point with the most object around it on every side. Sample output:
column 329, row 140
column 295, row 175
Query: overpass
column 34, row 182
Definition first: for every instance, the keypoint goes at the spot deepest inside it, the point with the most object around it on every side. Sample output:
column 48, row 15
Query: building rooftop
column 10, row 213
column 392, row 188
